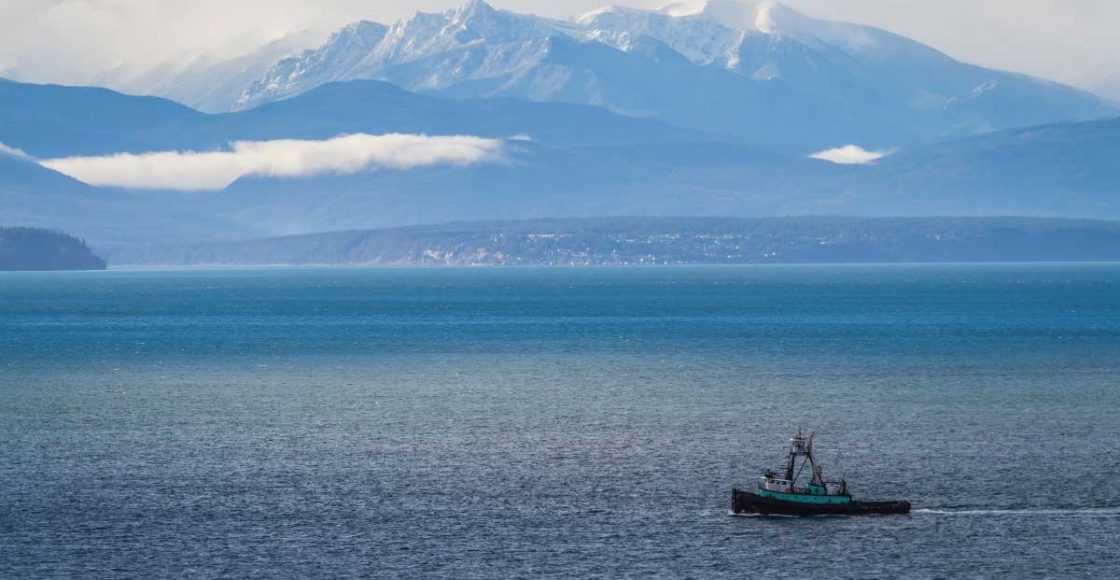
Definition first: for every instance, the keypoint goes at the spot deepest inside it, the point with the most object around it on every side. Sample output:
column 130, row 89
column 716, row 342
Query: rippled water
column 556, row 423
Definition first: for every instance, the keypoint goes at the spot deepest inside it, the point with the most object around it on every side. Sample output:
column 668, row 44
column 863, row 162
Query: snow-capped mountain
column 472, row 41
column 341, row 58
column 709, row 32
column 209, row 83
column 716, row 31
column 753, row 69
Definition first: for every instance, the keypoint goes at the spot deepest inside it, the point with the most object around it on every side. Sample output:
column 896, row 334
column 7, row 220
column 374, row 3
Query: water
column 556, row 423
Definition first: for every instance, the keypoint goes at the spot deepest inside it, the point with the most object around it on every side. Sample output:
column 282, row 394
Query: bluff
column 34, row 249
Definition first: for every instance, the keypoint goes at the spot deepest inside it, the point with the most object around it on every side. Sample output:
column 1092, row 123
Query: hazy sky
column 76, row 41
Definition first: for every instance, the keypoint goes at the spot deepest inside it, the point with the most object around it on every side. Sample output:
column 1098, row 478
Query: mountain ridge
column 794, row 82
column 581, row 162
column 58, row 121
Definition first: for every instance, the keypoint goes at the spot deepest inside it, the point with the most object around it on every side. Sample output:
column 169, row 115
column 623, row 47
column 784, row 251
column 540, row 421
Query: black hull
column 745, row 502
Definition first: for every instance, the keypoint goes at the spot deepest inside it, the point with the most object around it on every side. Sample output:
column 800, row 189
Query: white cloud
column 212, row 170
column 5, row 150
column 849, row 155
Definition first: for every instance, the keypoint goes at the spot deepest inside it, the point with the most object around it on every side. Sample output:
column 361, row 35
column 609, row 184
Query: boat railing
column 787, row 486
column 774, row 484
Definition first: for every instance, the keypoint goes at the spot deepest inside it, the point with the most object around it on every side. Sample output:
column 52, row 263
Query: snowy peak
column 363, row 29
column 744, row 17
column 736, row 14
column 752, row 68
column 476, row 41
column 712, row 31
column 337, row 59
column 441, row 48
column 684, row 29
column 470, row 24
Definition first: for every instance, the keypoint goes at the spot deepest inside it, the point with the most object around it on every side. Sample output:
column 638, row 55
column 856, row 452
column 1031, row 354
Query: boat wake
column 1020, row 512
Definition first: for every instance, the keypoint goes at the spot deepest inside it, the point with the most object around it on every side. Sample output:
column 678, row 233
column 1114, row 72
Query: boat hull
column 745, row 502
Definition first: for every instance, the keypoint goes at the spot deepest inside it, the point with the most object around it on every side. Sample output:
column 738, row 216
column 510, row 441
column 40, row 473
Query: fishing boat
column 818, row 497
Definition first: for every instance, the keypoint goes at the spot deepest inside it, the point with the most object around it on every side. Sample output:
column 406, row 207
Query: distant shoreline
column 359, row 267
column 640, row 241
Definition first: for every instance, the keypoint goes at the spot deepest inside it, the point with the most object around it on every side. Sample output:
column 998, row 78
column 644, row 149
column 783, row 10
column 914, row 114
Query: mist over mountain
column 57, row 122
column 685, row 179
column 558, row 160
column 1055, row 171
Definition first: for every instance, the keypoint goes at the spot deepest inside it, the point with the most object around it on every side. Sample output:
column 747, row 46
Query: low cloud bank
column 12, row 151
column 213, row 170
column 850, row 155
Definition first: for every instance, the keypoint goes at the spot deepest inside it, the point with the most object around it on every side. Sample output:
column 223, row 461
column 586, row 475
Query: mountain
column 30, row 249
column 632, row 241
column 20, row 173
column 339, row 59
column 1063, row 170
column 54, row 121
column 579, row 162
column 33, row 196
column 756, row 70
column 679, row 179
column 1059, row 169
column 377, row 107
column 209, row 84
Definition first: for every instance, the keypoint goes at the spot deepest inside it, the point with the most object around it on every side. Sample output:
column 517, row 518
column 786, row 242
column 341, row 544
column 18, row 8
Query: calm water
column 556, row 423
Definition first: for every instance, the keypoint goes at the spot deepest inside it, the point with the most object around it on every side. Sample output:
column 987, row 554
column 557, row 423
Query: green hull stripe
column 804, row 497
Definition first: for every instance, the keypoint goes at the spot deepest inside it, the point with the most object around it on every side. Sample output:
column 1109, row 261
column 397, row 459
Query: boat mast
column 818, row 472
column 791, row 461
column 800, row 445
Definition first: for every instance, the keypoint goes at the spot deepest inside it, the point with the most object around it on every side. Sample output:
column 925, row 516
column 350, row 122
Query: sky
column 89, row 41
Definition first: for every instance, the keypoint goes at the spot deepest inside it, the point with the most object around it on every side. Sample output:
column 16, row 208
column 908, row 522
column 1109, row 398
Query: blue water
column 579, row 423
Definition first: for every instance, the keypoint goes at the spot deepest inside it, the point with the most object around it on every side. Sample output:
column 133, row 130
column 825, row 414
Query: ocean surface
column 563, row 423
